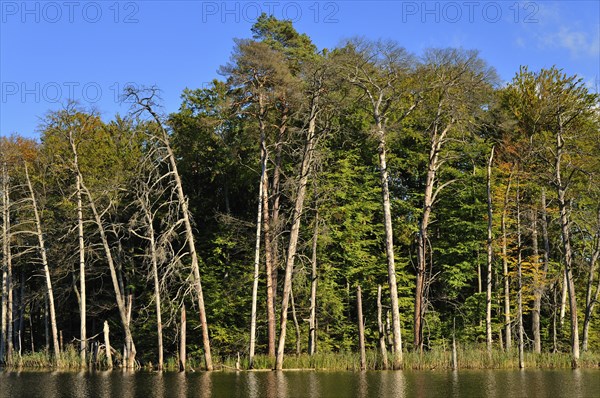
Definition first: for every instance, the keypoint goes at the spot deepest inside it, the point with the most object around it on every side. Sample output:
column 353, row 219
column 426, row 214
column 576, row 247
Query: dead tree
column 145, row 103
column 380, row 70
column 315, row 92
column 44, row 259
column 490, row 256
column 361, row 329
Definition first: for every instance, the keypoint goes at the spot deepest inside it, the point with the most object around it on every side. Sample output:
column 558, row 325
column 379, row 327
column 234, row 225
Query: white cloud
column 577, row 42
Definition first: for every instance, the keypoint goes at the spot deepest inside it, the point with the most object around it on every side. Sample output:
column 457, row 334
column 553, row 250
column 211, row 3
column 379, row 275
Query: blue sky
column 51, row 51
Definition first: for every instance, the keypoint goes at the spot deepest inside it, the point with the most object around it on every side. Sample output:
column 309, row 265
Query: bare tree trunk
column 381, row 330
column 490, row 254
column 361, row 330
column 389, row 249
column 591, row 297
column 31, row 311
column 120, row 298
column 5, row 257
column 107, row 346
column 539, row 281
column 566, row 241
column 270, row 266
column 81, row 188
column 507, row 331
column 7, row 305
column 157, row 298
column 46, row 323
column 82, row 285
column 554, row 316
column 42, row 246
column 11, row 309
column 454, row 355
column 3, row 313
column 182, row 343
column 590, row 310
column 21, row 322
column 312, row 333
column 296, row 219
column 266, row 224
column 296, row 324
column 263, row 162
column 437, row 140
column 519, row 279
column 183, row 203
column 129, row 339
column 381, row 93
column 563, row 300
column 276, row 230
column 546, row 257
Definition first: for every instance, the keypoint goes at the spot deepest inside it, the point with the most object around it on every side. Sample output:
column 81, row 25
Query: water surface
column 464, row 383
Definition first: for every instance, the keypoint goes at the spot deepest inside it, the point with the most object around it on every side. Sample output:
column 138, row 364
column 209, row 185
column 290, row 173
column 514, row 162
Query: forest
column 305, row 202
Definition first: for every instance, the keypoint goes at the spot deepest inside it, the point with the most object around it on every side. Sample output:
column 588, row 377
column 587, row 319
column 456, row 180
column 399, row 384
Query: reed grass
column 68, row 359
column 469, row 357
column 435, row 359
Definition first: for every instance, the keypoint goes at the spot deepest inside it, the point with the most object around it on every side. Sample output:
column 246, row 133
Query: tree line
column 450, row 202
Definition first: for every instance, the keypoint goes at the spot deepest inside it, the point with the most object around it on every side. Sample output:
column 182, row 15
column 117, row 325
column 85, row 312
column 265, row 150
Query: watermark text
column 249, row 11
column 469, row 11
column 58, row 92
column 53, row 12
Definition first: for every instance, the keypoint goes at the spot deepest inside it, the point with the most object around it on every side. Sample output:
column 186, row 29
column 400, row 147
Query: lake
column 463, row 383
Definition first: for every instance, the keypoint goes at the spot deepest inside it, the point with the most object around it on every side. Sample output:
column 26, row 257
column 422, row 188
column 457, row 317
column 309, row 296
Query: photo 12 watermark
column 53, row 12
column 61, row 92
column 469, row 11
column 248, row 11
